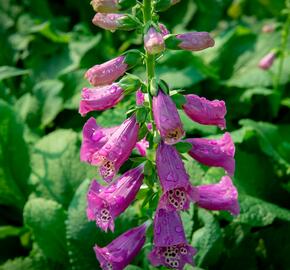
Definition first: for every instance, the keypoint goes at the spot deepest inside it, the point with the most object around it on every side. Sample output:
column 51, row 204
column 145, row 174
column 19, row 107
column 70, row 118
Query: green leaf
column 56, row 167
column 183, row 147
column 258, row 213
column 46, row 218
column 179, row 100
column 207, row 240
column 7, row 231
column 141, row 115
column 14, row 159
column 7, row 72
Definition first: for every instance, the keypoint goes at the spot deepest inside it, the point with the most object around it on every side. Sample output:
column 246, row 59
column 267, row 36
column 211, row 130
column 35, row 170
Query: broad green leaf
column 56, row 167
column 179, row 100
column 183, row 147
column 207, row 240
column 14, row 158
column 258, row 213
column 8, row 72
column 46, row 219
column 7, row 231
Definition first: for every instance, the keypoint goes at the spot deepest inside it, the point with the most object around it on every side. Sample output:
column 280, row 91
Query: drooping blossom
column 110, row 71
column 192, row 41
column 122, row 250
column 115, row 21
column 105, row 203
column 107, row 6
column 177, row 190
column 100, row 98
column 220, row 196
column 153, row 41
column 204, row 111
column 170, row 246
column 217, row 153
column 166, row 118
column 140, row 98
column 142, row 146
column 267, row 61
column 162, row 5
column 94, row 138
column 117, row 149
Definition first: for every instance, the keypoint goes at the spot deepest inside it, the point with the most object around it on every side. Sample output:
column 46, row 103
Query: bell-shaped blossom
column 107, row 6
column 110, row 71
column 115, row 21
column 122, row 250
column 100, row 98
column 153, row 41
column 204, row 111
column 94, row 138
column 142, row 146
column 267, row 61
column 177, row 190
column 220, row 196
column 117, row 149
column 192, row 41
column 217, row 153
column 140, row 98
column 104, row 204
column 167, row 119
column 170, row 246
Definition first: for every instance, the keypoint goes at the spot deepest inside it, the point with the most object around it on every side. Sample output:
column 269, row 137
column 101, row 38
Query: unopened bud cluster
column 153, row 128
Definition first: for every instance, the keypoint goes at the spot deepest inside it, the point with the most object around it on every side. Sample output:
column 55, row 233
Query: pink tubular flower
column 100, row 98
column 170, row 246
column 94, row 138
column 140, row 98
column 104, row 204
column 163, row 29
column 177, row 190
column 204, row 111
column 114, row 21
column 107, row 72
column 142, row 146
column 193, row 41
column 220, row 196
column 122, row 250
column 267, row 61
column 167, row 119
column 117, row 149
column 153, row 41
column 218, row 153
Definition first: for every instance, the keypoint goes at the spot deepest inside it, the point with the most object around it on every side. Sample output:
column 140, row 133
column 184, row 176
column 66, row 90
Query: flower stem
column 150, row 59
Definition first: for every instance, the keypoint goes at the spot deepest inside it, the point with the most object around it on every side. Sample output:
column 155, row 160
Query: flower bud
column 267, row 61
column 163, row 29
column 153, row 41
column 192, row 41
column 162, row 5
column 113, row 21
column 140, row 98
column 108, row 6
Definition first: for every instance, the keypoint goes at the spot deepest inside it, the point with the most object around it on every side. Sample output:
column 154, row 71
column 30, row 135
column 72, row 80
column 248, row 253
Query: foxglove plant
column 155, row 129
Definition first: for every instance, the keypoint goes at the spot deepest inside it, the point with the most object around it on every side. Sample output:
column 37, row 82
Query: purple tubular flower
column 170, row 246
column 117, row 149
column 267, row 61
column 204, row 111
column 142, row 146
column 94, row 138
column 140, row 98
column 100, row 98
column 107, row 203
column 195, row 41
column 217, row 153
column 177, row 190
column 167, row 118
column 163, row 29
column 107, row 72
column 122, row 250
column 153, row 41
column 220, row 196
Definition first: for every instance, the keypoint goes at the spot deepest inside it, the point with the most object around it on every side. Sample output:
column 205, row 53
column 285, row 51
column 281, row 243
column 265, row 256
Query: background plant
column 47, row 46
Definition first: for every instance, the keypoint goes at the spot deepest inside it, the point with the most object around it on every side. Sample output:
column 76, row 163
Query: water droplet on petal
column 178, row 229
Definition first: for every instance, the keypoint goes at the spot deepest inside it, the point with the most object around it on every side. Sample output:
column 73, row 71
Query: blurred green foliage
column 46, row 46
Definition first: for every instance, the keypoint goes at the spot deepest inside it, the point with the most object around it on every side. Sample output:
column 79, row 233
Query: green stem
column 150, row 59
column 284, row 39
